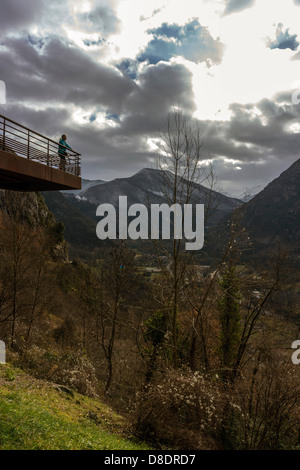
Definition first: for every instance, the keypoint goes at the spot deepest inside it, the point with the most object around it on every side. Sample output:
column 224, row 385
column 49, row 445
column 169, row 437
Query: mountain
column 270, row 218
column 146, row 187
column 274, row 214
column 77, row 210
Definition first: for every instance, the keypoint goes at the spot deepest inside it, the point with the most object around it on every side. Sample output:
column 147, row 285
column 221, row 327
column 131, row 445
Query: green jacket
column 61, row 150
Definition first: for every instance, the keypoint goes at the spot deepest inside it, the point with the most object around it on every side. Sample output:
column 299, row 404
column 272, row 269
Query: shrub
column 179, row 407
column 71, row 369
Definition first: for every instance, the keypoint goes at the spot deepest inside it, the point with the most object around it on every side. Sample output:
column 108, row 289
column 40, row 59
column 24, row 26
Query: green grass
column 34, row 415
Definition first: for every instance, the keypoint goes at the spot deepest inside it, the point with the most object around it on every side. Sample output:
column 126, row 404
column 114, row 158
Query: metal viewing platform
column 29, row 161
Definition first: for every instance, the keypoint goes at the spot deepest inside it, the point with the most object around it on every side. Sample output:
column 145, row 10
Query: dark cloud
column 264, row 129
column 161, row 87
column 192, row 41
column 13, row 15
column 233, row 6
column 266, row 132
column 62, row 74
column 270, row 130
column 284, row 40
column 258, row 137
column 18, row 16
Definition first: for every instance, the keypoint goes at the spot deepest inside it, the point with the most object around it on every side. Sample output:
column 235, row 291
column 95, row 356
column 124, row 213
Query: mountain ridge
column 146, row 187
column 275, row 211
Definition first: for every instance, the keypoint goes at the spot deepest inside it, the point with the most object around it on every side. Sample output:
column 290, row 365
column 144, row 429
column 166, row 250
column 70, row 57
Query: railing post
column 28, row 140
column 48, row 153
column 3, row 139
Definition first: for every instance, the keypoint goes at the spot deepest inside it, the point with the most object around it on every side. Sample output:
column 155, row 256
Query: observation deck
column 30, row 161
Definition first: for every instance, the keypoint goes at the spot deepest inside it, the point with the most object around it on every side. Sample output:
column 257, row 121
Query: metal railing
column 27, row 143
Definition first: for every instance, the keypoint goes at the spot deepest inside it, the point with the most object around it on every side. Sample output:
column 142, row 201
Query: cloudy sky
column 107, row 72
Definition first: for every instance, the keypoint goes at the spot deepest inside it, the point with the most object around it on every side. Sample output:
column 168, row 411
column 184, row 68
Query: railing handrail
column 37, row 133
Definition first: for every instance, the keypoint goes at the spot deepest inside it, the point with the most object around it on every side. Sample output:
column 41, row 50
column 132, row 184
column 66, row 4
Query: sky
column 108, row 72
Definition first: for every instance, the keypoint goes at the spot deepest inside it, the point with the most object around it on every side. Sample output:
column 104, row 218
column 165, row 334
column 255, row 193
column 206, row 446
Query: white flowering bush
column 180, row 400
column 77, row 372
column 71, row 369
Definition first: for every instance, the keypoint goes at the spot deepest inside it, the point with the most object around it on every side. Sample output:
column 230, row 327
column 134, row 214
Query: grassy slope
column 36, row 415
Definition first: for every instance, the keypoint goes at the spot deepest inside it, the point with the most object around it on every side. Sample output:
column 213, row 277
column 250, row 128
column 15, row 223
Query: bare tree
column 39, row 280
column 25, row 248
column 181, row 164
column 119, row 283
column 15, row 246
